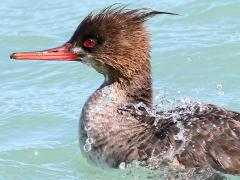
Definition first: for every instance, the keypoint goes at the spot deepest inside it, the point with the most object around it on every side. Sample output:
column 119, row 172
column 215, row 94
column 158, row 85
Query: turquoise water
column 195, row 55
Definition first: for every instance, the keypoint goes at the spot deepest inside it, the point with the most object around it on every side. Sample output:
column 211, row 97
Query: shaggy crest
column 121, row 14
column 123, row 42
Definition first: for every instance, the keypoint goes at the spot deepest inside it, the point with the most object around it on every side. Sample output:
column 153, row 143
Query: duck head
column 113, row 41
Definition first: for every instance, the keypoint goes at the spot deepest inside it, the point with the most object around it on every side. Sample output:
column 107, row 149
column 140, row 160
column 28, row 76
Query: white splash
column 220, row 89
column 87, row 147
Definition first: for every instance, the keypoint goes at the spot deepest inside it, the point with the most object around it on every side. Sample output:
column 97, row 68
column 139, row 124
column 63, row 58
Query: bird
column 118, row 123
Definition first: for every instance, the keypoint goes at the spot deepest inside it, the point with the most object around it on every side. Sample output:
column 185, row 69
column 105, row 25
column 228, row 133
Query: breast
column 108, row 130
column 114, row 137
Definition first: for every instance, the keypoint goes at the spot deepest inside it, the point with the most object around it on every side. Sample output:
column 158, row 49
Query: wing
column 202, row 135
column 213, row 139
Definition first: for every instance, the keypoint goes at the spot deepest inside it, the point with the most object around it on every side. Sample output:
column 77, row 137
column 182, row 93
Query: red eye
column 89, row 43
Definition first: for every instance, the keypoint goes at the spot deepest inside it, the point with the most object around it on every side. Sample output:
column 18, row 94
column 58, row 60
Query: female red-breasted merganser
column 116, row 122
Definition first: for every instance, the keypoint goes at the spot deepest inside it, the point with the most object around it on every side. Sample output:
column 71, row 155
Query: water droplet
column 156, row 122
column 87, row 128
column 87, row 147
column 124, row 175
column 137, row 164
column 35, row 153
column 189, row 59
column 180, row 135
column 89, row 140
column 140, row 105
column 220, row 89
column 122, row 165
column 175, row 117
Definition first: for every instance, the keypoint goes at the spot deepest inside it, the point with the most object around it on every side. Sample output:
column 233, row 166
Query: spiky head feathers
column 122, row 42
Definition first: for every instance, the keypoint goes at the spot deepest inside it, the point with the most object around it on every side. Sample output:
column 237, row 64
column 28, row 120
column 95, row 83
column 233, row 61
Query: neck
column 137, row 89
column 140, row 90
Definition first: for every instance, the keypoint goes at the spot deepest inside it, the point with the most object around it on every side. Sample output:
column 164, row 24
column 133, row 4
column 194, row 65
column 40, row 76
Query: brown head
column 121, row 40
column 113, row 41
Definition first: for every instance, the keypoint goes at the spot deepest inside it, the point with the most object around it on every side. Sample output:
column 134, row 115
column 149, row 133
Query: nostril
column 54, row 51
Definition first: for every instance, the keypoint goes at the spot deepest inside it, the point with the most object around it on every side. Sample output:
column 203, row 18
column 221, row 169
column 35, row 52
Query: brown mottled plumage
column 117, row 132
column 125, row 55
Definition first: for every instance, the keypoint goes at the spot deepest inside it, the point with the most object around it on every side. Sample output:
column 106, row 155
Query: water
column 195, row 55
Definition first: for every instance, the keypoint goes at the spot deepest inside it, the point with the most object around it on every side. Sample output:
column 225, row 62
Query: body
column 123, row 133
column 119, row 139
